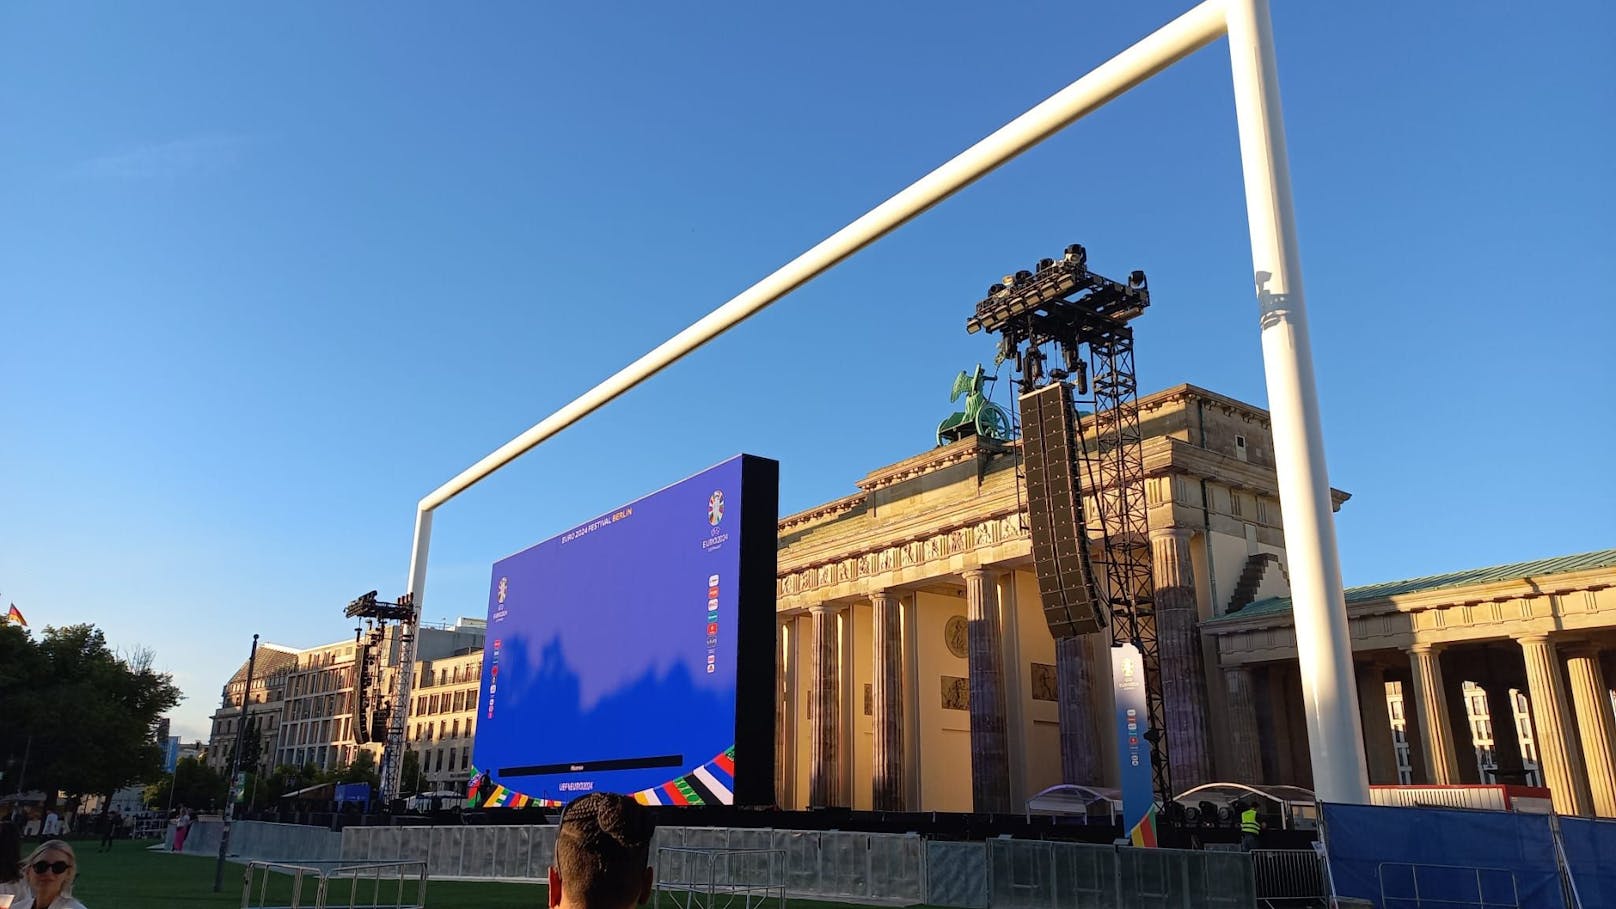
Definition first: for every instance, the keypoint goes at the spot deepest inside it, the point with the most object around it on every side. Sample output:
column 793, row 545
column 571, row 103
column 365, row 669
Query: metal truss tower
column 1065, row 306
column 372, row 712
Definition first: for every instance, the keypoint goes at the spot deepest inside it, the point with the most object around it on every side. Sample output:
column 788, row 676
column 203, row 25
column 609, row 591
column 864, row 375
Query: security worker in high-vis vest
column 1250, row 827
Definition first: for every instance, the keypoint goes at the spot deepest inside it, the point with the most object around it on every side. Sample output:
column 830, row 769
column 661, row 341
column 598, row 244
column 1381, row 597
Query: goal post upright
column 1324, row 648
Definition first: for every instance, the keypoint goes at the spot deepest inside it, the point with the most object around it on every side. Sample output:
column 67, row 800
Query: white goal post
column 1324, row 648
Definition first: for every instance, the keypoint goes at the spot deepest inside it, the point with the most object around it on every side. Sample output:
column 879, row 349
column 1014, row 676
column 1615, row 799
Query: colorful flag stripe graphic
column 713, row 783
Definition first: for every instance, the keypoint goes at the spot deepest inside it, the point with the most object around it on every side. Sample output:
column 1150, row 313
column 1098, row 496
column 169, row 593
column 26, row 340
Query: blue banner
column 1405, row 858
column 1590, row 855
column 171, row 753
column 354, row 792
column 1133, row 721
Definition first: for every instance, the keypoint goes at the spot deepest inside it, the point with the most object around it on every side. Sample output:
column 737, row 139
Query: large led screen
column 635, row 652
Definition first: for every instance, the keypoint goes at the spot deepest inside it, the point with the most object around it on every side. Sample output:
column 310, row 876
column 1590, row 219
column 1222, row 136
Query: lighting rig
column 374, row 719
column 1060, row 304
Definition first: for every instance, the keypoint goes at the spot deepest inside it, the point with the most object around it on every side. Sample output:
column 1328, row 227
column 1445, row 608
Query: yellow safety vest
column 1248, row 822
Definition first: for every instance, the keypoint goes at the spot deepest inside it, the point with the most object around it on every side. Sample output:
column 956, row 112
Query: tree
column 362, row 770
column 251, row 745
column 194, row 783
column 83, row 715
column 410, row 772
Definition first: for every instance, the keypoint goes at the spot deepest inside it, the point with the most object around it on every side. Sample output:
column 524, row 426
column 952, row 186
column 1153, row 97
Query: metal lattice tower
column 371, row 704
column 1114, row 466
column 1065, row 306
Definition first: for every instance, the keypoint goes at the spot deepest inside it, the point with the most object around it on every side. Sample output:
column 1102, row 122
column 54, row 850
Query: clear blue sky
column 270, row 274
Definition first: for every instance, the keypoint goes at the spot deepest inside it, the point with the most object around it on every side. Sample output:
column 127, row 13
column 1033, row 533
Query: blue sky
column 270, row 274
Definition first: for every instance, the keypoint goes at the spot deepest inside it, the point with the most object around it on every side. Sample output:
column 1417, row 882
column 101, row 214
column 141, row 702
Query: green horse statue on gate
column 981, row 417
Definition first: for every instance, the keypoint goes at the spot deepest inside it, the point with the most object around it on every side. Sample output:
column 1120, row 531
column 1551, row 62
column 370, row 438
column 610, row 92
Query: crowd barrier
column 857, row 867
column 262, row 840
column 1033, row 874
column 870, row 868
column 1412, row 858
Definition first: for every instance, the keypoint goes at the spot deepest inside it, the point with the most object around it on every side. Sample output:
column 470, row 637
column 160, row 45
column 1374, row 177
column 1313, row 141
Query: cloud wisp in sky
column 173, row 159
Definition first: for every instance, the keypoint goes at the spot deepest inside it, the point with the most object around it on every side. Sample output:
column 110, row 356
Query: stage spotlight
column 1076, row 254
column 1045, row 264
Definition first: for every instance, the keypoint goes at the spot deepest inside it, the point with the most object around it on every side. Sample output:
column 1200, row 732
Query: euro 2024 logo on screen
column 715, row 507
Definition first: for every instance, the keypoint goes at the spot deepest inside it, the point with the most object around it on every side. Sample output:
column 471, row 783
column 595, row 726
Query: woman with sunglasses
column 51, row 869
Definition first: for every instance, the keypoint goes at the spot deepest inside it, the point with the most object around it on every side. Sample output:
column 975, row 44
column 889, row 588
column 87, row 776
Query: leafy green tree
column 83, row 715
column 194, row 783
column 410, row 772
column 362, row 770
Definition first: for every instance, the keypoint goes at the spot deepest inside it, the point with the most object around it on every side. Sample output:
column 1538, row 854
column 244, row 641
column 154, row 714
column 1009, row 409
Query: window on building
column 1234, row 504
column 440, row 759
column 451, row 760
column 465, row 757
column 443, row 676
column 454, row 729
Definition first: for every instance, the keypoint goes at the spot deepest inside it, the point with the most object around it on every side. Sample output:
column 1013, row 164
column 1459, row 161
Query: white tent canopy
column 1071, row 800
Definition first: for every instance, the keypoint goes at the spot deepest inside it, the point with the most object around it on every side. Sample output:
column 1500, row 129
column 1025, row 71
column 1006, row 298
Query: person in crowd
column 182, row 826
column 11, row 879
column 602, row 854
column 105, row 824
column 1250, row 827
column 51, row 869
column 53, row 825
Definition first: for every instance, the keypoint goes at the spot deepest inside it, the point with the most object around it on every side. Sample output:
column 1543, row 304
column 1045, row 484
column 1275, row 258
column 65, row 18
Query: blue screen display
column 610, row 663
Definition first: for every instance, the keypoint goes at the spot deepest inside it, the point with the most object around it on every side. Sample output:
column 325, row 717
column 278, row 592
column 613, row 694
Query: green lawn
column 129, row 877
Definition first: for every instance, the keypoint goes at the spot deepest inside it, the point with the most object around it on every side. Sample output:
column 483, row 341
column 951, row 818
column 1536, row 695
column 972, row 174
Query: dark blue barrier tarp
column 1590, row 853
column 1391, row 855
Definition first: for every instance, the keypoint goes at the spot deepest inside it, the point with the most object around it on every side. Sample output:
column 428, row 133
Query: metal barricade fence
column 1032, row 874
column 1409, row 885
column 706, row 877
column 1289, row 877
column 382, row 885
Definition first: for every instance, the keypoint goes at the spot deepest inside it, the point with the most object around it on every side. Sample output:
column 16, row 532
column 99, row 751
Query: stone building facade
column 1531, row 644
column 304, row 704
column 916, row 672
column 266, row 700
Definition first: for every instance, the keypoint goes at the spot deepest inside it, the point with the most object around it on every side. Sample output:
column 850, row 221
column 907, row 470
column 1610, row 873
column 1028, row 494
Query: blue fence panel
column 1401, row 858
column 1590, row 853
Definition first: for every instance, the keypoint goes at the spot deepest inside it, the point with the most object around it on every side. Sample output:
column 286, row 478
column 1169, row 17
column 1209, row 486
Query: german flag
column 15, row 615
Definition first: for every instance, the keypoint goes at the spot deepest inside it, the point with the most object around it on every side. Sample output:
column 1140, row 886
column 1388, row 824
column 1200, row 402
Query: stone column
column 1015, row 675
column 1380, row 750
column 1075, row 675
column 824, row 783
column 785, row 766
column 1430, row 706
column 1557, row 752
column 887, row 789
column 1240, row 700
column 990, row 770
column 1595, row 725
column 1189, row 752
column 911, row 691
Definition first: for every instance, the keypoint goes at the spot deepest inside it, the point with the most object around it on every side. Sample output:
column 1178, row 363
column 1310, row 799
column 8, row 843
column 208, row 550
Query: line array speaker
column 1060, row 553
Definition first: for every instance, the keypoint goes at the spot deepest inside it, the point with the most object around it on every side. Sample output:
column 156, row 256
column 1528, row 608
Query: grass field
column 131, row 877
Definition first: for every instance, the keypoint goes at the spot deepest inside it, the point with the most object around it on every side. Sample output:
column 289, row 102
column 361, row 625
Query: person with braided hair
column 602, row 854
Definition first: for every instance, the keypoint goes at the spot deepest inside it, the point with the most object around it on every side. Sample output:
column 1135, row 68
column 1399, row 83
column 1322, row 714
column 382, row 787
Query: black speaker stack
column 1060, row 552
